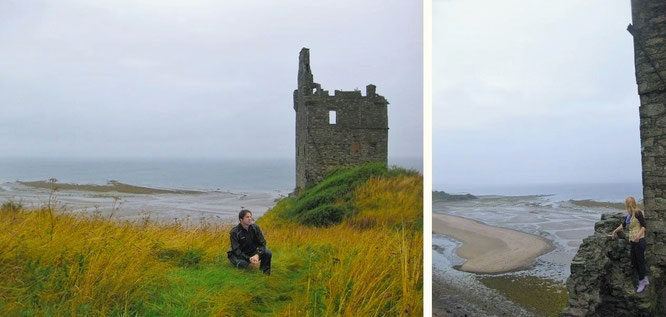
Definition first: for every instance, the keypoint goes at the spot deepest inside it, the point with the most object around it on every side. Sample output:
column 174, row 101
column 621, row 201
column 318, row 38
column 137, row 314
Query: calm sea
column 200, row 174
column 612, row 192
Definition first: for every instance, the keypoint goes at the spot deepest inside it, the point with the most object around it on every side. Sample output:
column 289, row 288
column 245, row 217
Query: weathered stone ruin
column 345, row 129
column 602, row 281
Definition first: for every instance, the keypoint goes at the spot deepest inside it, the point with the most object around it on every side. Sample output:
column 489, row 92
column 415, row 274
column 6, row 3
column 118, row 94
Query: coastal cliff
column 603, row 281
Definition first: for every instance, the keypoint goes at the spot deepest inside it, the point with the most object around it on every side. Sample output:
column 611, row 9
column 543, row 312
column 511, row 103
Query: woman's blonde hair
column 630, row 203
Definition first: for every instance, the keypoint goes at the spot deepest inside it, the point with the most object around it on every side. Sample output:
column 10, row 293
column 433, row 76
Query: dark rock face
column 345, row 129
column 602, row 280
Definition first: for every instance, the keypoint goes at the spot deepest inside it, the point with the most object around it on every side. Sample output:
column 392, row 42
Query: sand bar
column 111, row 186
column 489, row 249
column 140, row 202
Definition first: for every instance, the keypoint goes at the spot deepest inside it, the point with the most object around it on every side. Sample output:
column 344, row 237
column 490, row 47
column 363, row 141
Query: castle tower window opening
column 332, row 117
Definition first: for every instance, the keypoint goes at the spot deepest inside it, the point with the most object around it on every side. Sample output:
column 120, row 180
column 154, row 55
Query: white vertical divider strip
column 427, row 157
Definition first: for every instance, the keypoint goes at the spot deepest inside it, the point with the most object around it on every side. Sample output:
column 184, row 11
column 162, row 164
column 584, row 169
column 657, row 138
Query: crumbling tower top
column 305, row 78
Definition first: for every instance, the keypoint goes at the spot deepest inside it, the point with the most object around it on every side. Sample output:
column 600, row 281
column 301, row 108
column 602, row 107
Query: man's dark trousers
column 264, row 257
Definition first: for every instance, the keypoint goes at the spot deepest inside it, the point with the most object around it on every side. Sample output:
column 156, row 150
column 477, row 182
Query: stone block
column 656, row 226
column 651, row 110
column 655, row 204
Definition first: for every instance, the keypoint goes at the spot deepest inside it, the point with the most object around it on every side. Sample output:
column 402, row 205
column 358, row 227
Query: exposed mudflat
column 159, row 204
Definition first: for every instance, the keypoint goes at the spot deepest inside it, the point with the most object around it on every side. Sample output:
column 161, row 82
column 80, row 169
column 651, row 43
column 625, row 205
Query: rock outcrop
column 603, row 281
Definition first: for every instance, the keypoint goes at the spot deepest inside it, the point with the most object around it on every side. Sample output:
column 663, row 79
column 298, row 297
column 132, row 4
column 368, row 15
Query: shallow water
column 562, row 222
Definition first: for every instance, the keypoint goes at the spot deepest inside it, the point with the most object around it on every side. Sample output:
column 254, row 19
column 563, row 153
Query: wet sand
column 489, row 249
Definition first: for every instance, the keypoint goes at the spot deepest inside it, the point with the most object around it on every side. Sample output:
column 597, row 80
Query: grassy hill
column 363, row 258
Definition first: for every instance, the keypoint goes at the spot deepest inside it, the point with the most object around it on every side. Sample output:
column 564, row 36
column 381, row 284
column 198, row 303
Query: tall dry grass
column 73, row 264
column 371, row 264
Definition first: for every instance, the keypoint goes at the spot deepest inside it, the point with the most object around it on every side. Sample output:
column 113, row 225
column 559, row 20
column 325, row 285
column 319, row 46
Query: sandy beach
column 489, row 249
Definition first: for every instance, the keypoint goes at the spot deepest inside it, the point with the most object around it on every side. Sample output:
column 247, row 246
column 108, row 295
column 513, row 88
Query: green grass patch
column 219, row 288
column 543, row 296
column 196, row 288
column 191, row 258
column 331, row 201
column 194, row 291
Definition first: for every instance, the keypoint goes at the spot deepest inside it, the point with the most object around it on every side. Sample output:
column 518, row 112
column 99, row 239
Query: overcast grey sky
column 533, row 92
column 166, row 78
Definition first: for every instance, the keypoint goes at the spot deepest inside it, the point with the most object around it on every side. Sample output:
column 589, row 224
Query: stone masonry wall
column 359, row 135
column 649, row 32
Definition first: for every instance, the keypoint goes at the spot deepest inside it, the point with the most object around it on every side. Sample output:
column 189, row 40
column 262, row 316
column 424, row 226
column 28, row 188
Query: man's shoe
column 267, row 272
column 642, row 285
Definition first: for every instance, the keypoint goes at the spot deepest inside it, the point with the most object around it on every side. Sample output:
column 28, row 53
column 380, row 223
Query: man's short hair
column 242, row 213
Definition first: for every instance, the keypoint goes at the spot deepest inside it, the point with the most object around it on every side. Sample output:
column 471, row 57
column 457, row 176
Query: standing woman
column 636, row 222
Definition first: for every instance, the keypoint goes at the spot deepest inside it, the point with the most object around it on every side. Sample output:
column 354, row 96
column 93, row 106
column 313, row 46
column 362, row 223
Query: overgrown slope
column 370, row 262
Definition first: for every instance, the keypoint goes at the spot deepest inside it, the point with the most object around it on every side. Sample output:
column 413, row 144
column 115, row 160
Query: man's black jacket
column 246, row 243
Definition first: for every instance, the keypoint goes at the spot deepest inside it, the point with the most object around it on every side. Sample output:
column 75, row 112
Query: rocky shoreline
column 458, row 298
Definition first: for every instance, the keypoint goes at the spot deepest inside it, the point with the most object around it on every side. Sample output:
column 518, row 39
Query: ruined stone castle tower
column 603, row 281
column 333, row 131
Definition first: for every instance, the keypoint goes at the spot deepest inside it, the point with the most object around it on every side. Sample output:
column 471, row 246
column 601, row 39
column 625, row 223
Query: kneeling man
column 248, row 245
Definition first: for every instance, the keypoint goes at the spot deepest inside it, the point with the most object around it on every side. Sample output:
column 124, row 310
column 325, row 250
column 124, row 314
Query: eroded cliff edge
column 603, row 281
